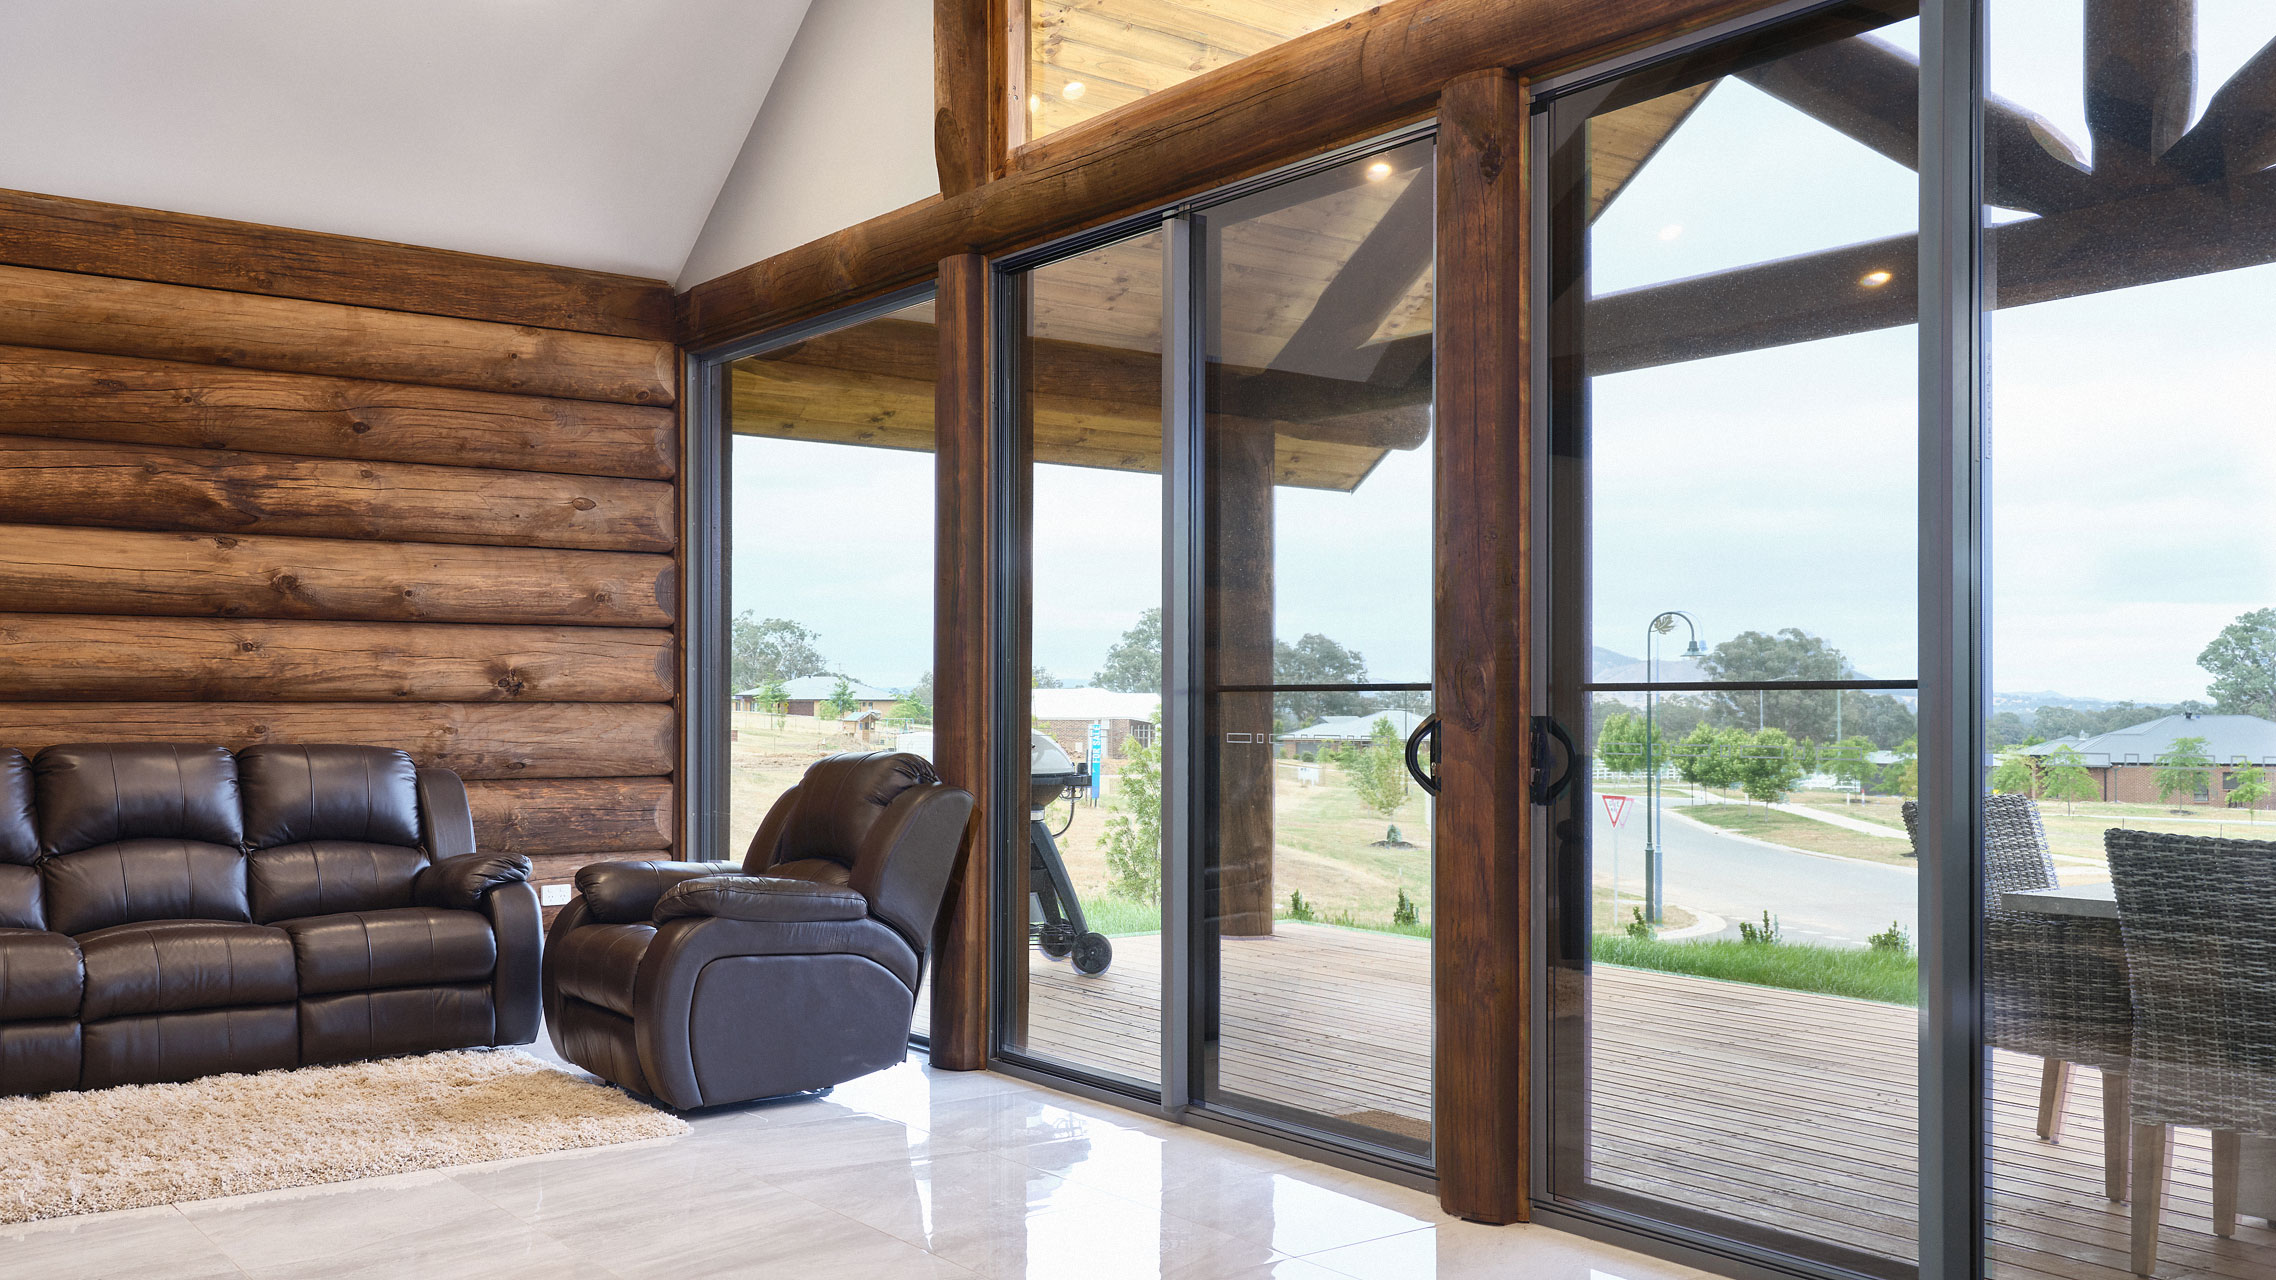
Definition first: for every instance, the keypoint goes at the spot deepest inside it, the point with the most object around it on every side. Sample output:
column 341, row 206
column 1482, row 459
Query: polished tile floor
column 907, row 1173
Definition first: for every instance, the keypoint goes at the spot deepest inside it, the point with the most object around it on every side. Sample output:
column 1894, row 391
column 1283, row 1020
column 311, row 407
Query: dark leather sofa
column 168, row 912
column 703, row 983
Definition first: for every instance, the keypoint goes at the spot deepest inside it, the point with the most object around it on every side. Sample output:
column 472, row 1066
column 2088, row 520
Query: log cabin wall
column 307, row 507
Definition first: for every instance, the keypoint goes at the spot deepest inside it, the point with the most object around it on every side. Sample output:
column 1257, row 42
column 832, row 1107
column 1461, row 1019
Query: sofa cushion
column 103, row 793
column 19, row 833
column 297, row 793
column 39, row 975
column 597, row 963
column 22, row 901
column 143, row 880
column 404, row 947
column 344, row 1026
column 325, row 877
column 165, row 966
column 160, row 1047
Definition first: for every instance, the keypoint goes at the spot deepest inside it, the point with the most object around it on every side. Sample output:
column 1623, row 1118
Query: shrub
column 1405, row 912
column 1298, row 909
column 1894, row 941
column 1763, row 935
column 1638, row 926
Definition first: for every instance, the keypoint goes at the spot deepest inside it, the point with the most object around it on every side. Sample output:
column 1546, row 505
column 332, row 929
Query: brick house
column 2124, row 766
column 1067, row 715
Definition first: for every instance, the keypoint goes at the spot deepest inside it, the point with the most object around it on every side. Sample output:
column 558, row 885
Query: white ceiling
column 589, row 133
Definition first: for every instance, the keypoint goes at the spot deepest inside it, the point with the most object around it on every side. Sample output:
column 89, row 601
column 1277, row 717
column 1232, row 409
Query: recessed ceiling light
column 1073, row 90
column 1378, row 171
column 1875, row 279
column 1035, row 102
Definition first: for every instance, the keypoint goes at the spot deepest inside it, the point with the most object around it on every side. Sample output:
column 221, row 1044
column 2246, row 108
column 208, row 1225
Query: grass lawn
column 1866, row 975
column 1797, row 832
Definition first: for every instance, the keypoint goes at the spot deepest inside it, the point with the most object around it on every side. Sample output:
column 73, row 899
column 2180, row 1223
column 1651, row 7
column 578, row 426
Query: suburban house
column 1068, row 714
column 1345, row 731
column 805, row 696
column 2124, row 762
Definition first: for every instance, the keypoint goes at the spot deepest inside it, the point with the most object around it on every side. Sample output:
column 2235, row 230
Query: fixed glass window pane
column 2131, row 261
column 830, row 556
column 1086, row 57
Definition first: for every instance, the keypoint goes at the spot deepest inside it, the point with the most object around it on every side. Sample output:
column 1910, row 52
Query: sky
column 2133, row 453
column 2132, row 442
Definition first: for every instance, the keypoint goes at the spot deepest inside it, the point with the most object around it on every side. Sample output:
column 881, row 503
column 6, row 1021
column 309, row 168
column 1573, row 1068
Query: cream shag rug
column 139, row 1145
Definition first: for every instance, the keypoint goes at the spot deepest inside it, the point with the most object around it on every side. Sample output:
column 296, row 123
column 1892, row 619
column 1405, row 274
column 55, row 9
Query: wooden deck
column 1781, row 1107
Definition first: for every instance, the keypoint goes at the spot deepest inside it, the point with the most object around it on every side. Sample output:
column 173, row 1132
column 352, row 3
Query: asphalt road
column 1815, row 898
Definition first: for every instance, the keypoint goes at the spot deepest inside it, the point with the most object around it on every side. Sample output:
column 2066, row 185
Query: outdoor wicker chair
column 2054, row 986
column 2202, row 956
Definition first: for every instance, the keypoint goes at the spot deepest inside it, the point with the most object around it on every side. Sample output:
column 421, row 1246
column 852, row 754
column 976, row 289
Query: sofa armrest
column 461, row 882
column 626, row 892
column 760, row 898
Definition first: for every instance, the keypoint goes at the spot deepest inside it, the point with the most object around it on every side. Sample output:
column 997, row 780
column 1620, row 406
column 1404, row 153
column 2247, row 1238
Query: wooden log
column 208, row 326
column 572, row 816
column 74, row 657
column 964, row 745
column 1481, row 933
column 93, row 482
column 108, row 571
column 87, row 236
column 540, row 740
column 561, row 868
column 131, row 401
column 972, row 132
column 1297, row 99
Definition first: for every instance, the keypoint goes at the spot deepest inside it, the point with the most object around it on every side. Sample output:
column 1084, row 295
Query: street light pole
column 1654, row 908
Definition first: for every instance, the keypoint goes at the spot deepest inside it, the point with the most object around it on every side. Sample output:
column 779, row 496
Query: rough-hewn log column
column 1482, row 673
column 1239, row 603
column 963, row 680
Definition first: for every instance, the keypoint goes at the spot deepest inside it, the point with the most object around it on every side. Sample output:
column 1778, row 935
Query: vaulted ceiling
column 589, row 133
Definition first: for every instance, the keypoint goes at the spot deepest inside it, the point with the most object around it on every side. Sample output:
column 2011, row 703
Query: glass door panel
column 1315, row 990
column 1732, row 485
column 1085, row 987
column 2131, row 256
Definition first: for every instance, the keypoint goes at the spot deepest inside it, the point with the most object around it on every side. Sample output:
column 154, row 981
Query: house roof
column 819, row 689
column 1086, row 703
column 2227, row 739
column 1354, row 728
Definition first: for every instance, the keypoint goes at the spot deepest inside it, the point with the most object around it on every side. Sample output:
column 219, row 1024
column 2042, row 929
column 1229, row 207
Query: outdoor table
column 2256, row 1173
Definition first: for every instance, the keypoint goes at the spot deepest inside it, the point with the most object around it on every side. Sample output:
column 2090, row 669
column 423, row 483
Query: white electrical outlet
column 553, row 895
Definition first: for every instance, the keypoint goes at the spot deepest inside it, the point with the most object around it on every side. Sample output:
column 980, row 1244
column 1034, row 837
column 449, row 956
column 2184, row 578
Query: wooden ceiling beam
column 1296, row 99
column 975, row 66
column 1333, row 341
column 2163, row 235
column 1869, row 90
column 2238, row 132
column 2141, row 83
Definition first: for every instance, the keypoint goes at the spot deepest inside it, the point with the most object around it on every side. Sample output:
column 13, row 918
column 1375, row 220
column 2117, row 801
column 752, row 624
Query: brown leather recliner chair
column 699, row 983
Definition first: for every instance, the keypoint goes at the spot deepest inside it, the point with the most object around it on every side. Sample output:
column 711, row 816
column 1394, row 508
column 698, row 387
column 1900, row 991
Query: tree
column 1315, row 659
column 774, row 699
column 1705, row 757
column 2247, row 787
column 2242, row 662
column 915, row 706
column 1792, row 654
column 2064, row 777
column 2007, row 729
column 841, row 701
column 2183, row 769
column 1132, row 840
column 1379, row 773
column 1768, row 765
column 1134, row 664
column 764, row 649
column 2016, row 774
column 1043, row 679
column 1850, row 760
column 1903, row 777
column 1620, row 743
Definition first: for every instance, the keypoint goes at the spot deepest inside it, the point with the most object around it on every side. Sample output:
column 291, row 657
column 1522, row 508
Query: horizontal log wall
column 259, row 513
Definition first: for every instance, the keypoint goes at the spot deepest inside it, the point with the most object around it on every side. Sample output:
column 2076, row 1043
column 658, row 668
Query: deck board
column 1788, row 1108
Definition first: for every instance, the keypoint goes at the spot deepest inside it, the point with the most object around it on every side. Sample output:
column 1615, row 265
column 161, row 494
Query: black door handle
column 1427, row 729
column 1546, row 790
